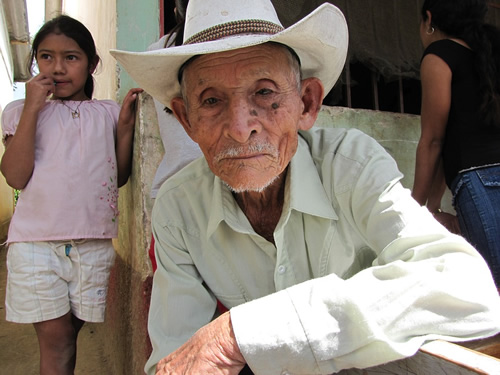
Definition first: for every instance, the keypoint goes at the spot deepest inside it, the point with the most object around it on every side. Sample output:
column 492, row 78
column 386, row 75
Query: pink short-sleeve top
column 73, row 192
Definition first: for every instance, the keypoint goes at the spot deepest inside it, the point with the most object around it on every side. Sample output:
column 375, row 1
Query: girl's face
column 60, row 58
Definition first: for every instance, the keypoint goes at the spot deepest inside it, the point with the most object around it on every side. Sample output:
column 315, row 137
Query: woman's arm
column 125, row 136
column 436, row 77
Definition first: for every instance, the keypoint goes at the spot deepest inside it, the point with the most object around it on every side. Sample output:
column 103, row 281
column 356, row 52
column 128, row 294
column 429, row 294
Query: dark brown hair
column 72, row 29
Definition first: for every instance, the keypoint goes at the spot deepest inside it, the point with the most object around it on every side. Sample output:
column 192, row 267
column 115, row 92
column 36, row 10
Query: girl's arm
column 18, row 160
column 125, row 136
column 436, row 77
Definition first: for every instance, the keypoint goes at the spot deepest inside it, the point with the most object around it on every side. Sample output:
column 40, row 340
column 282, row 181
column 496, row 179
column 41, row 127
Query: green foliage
column 16, row 196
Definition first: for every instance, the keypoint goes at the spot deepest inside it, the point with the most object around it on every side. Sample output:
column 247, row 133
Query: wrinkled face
column 61, row 59
column 244, row 108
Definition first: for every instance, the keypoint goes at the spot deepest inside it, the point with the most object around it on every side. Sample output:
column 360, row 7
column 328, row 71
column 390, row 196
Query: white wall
column 100, row 18
column 6, row 65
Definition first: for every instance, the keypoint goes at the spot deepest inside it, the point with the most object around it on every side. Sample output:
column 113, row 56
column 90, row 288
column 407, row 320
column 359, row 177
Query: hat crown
column 203, row 17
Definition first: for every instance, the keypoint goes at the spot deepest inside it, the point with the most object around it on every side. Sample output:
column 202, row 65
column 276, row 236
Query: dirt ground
column 19, row 346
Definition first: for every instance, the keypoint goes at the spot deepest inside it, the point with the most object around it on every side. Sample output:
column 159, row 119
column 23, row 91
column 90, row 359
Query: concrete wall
column 137, row 27
column 130, row 284
column 398, row 133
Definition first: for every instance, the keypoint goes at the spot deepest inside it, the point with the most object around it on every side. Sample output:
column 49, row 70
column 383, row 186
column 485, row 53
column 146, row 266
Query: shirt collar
column 305, row 193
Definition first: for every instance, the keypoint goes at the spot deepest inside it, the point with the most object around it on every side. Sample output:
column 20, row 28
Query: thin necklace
column 75, row 113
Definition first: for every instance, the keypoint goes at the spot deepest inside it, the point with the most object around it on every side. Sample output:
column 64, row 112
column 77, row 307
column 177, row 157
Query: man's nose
column 242, row 120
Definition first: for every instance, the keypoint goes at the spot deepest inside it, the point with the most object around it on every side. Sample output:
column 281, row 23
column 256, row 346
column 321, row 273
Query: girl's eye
column 44, row 56
column 71, row 57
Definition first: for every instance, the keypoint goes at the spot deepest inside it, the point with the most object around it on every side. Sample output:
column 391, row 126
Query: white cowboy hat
column 320, row 40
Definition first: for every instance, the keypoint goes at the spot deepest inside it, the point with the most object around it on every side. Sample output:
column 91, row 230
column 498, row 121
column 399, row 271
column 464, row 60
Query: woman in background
column 460, row 122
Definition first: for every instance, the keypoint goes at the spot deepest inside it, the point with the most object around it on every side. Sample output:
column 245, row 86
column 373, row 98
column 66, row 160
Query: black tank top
column 468, row 143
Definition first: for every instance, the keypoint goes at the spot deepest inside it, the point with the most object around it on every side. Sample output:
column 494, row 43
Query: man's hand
column 212, row 351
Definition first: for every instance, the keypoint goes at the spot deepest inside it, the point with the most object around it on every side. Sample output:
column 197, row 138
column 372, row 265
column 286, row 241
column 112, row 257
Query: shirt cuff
column 271, row 337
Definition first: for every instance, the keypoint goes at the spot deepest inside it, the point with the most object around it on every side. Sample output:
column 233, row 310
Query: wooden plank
column 437, row 358
column 489, row 346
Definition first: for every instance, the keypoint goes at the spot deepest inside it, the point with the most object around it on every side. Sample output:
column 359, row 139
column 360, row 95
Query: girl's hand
column 125, row 135
column 449, row 221
column 126, row 119
column 18, row 159
column 38, row 89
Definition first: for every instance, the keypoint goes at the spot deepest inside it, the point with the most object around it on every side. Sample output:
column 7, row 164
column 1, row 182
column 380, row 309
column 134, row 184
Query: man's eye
column 264, row 92
column 210, row 101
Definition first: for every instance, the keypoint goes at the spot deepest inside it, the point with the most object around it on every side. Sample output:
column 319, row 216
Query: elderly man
column 306, row 235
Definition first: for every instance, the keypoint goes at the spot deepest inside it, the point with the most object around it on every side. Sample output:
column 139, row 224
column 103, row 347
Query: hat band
column 234, row 28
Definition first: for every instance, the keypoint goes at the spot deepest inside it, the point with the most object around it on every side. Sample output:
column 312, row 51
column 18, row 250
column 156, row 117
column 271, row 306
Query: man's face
column 244, row 108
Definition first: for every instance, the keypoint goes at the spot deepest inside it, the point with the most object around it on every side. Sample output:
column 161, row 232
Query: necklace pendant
column 75, row 114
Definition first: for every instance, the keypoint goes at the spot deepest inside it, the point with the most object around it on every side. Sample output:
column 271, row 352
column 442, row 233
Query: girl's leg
column 477, row 203
column 57, row 341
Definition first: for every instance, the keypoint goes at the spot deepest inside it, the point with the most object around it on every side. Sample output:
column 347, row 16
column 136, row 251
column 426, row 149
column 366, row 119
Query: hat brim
column 319, row 39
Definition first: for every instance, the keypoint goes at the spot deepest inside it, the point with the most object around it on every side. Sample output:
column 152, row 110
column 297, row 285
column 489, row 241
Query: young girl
column 68, row 155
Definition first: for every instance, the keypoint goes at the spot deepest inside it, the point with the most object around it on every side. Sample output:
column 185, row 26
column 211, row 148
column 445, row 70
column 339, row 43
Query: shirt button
column 281, row 269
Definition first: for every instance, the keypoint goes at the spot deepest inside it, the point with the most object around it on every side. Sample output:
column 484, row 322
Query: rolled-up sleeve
column 424, row 284
column 379, row 315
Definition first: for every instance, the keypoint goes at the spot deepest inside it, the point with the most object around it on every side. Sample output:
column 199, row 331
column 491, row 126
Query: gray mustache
column 254, row 148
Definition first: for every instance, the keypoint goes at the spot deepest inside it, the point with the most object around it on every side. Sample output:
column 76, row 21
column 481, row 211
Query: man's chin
column 250, row 187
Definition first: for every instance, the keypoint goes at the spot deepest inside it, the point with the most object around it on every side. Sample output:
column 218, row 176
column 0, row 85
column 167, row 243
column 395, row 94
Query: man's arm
column 212, row 350
column 424, row 284
column 170, row 325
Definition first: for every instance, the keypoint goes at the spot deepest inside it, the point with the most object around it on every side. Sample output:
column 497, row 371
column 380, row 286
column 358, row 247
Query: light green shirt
column 383, row 275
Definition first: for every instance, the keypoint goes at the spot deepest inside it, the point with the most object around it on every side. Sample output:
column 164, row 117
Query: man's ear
column 312, row 98
column 178, row 106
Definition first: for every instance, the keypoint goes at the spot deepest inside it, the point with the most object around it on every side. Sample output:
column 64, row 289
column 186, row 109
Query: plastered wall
column 100, row 18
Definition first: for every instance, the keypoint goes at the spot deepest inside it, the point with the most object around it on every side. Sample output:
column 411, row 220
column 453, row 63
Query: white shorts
column 46, row 280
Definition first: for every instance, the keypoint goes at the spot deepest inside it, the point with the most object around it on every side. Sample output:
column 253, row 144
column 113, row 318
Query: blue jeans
column 476, row 198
